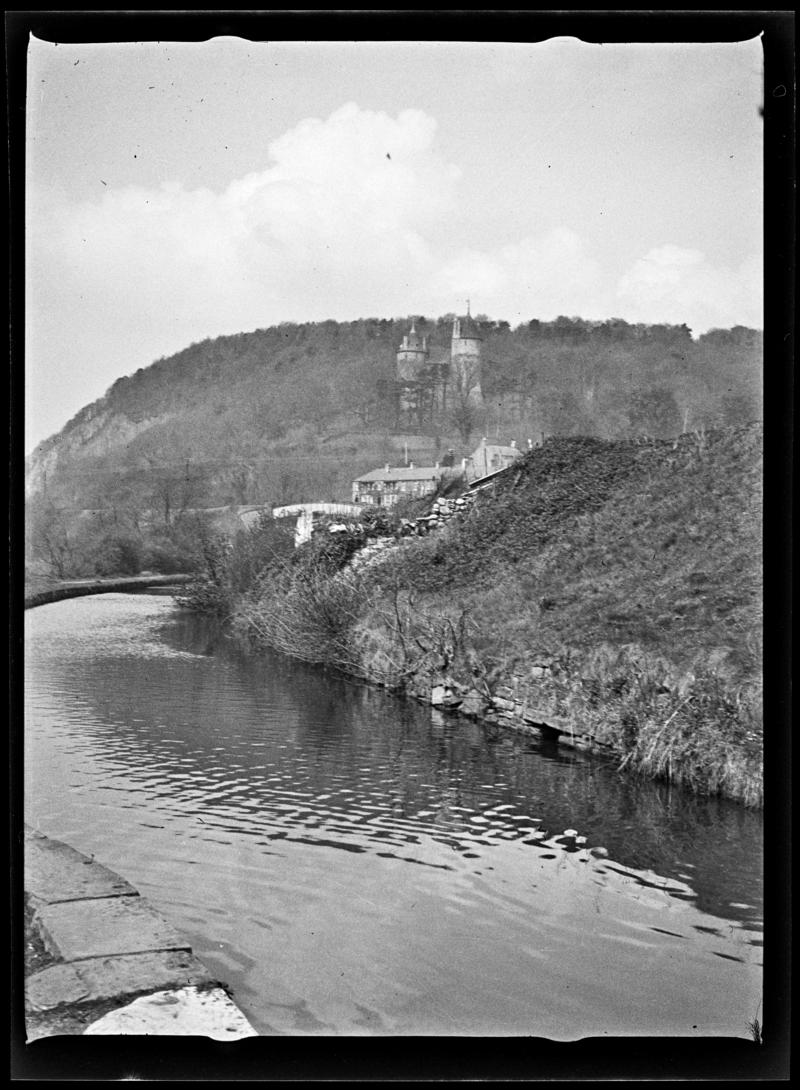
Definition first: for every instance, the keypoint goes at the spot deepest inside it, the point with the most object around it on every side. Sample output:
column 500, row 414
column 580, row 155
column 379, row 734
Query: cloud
column 674, row 284
column 542, row 277
column 346, row 202
column 341, row 224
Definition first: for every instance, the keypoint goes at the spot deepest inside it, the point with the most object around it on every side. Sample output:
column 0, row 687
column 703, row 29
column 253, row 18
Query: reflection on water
column 352, row 863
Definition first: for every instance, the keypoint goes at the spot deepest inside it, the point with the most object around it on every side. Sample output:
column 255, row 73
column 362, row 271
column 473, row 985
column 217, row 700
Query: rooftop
column 413, row 341
column 405, row 473
column 495, row 448
column 469, row 327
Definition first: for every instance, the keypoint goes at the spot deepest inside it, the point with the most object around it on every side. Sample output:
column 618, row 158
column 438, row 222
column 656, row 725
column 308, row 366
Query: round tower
column 465, row 358
column 412, row 356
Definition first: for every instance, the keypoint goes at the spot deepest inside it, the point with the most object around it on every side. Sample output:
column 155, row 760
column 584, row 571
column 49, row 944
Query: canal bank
column 60, row 590
column 100, row 960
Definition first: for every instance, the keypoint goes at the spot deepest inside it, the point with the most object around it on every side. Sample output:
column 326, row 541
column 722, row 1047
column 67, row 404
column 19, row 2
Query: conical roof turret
column 413, row 341
column 467, row 327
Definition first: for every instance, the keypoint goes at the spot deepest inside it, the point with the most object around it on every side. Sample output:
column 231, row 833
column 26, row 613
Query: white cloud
column 340, row 225
column 674, row 284
column 346, row 202
column 535, row 277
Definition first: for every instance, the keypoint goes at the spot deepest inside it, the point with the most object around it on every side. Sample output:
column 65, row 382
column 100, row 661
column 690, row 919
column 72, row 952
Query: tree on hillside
column 464, row 416
column 361, row 391
column 654, row 413
column 563, row 413
column 737, row 409
column 239, row 478
column 48, row 537
column 176, row 489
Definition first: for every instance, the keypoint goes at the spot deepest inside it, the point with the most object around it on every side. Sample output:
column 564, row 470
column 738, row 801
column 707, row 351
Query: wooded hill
column 296, row 411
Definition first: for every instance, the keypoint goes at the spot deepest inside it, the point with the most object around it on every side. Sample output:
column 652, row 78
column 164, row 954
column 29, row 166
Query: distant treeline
column 296, row 411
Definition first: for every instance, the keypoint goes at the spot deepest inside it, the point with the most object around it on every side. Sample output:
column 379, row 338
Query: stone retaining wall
column 511, row 706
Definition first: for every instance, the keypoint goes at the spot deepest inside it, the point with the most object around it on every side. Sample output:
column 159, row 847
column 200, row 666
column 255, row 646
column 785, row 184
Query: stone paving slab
column 102, row 927
column 55, row 872
column 111, row 946
column 182, row 1012
column 57, row 986
column 99, row 979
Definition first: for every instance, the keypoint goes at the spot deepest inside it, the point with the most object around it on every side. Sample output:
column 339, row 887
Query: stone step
column 101, row 979
column 102, row 927
column 55, row 872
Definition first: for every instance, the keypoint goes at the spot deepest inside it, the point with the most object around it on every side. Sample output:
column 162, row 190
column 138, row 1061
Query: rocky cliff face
column 94, row 432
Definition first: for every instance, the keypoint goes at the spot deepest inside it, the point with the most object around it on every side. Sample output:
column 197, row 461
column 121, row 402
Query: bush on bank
column 228, row 569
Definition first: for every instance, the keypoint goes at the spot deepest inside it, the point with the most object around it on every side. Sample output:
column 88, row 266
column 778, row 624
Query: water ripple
column 338, row 827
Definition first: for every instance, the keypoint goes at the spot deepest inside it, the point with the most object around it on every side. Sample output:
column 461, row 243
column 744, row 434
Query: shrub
column 116, row 555
column 164, row 557
column 254, row 549
column 307, row 611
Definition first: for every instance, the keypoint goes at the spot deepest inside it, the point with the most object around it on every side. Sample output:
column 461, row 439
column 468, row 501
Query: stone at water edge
column 184, row 1012
column 474, row 703
column 438, row 693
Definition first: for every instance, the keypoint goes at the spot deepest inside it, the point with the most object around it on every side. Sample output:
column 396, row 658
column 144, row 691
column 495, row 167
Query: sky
column 179, row 191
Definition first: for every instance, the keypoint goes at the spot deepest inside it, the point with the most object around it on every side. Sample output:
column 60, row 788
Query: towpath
column 39, row 595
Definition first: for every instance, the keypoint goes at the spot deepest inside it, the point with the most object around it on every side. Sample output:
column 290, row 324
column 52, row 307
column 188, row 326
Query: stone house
column 384, row 487
column 489, row 458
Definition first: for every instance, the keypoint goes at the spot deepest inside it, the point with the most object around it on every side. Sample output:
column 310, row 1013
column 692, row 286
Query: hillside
column 297, row 411
column 585, row 541
column 270, row 415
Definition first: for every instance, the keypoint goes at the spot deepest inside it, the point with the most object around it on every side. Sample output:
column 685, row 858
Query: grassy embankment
column 616, row 584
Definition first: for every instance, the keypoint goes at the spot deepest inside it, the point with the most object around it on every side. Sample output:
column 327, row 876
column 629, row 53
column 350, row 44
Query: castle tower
column 412, row 356
column 465, row 359
column 412, row 361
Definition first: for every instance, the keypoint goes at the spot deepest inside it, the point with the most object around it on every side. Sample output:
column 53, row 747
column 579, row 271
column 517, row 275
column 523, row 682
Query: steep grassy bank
column 613, row 585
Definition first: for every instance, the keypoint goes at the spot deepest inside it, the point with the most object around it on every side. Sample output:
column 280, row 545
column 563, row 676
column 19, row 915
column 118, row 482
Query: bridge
column 305, row 513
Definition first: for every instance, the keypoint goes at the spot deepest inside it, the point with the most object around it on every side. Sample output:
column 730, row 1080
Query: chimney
column 436, row 466
column 410, row 465
column 530, row 444
column 483, row 441
column 464, row 464
column 387, row 467
column 513, row 444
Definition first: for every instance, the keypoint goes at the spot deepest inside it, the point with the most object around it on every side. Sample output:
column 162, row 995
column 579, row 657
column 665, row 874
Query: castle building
column 465, row 359
column 412, row 356
column 462, row 379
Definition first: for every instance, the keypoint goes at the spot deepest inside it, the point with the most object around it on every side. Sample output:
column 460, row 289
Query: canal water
column 355, row 864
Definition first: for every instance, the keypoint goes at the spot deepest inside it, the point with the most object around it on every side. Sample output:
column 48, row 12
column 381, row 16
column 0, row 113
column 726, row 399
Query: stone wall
column 512, row 705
